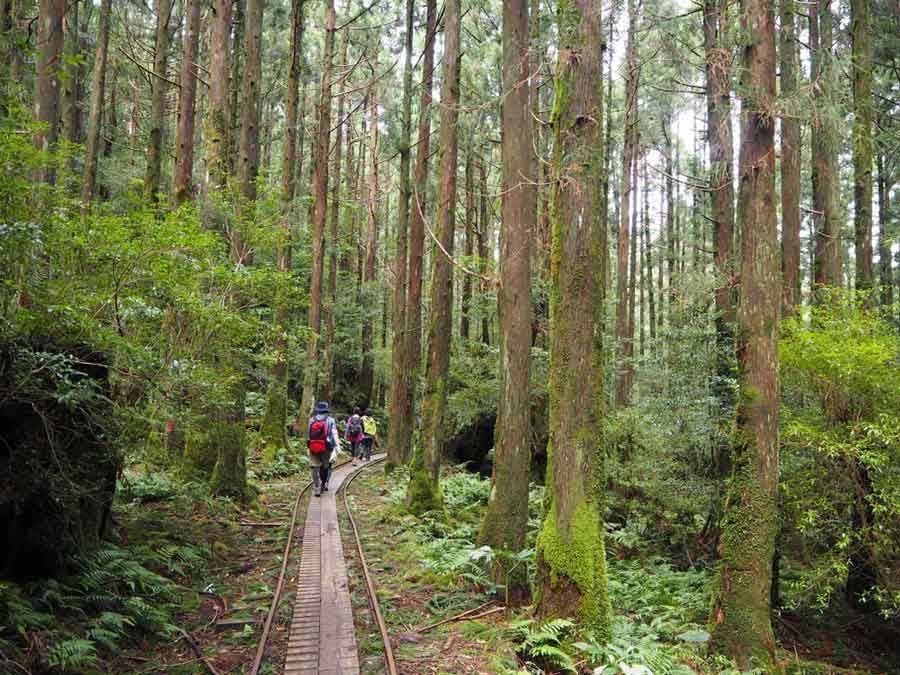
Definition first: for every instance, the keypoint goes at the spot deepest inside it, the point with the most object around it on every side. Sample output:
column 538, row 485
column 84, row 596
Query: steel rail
column 267, row 626
column 390, row 663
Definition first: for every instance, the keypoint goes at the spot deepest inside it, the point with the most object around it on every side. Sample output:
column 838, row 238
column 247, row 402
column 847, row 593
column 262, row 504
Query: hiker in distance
column 354, row 435
column 370, row 431
column 323, row 443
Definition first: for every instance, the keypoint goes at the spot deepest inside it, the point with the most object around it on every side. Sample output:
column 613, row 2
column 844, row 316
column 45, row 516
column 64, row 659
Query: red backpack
column 318, row 435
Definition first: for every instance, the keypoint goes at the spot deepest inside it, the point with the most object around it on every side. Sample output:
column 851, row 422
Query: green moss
column 424, row 493
column 229, row 476
column 579, row 556
column 273, row 428
column 200, row 454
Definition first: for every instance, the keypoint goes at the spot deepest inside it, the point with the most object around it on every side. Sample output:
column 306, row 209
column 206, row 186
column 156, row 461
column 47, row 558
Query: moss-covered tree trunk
column 320, row 213
column 885, row 271
column 484, row 236
column 400, row 419
column 417, row 208
column 158, row 85
column 862, row 140
column 424, row 492
column 740, row 624
column 366, row 381
column 571, row 560
column 506, row 518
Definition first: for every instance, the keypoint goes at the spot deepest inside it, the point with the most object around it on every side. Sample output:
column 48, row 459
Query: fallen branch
column 468, row 614
column 187, row 636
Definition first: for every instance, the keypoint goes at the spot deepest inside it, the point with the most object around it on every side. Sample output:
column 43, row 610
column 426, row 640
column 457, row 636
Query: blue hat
column 321, row 407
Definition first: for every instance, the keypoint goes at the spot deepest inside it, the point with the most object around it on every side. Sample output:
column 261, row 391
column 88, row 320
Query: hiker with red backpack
column 354, row 435
column 323, row 443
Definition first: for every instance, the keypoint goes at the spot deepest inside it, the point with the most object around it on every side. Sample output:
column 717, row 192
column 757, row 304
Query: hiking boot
column 317, row 492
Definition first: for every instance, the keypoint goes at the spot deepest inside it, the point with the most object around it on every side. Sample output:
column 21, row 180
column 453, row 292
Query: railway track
column 322, row 635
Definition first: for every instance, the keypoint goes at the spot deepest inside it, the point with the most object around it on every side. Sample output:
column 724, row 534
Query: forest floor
column 217, row 565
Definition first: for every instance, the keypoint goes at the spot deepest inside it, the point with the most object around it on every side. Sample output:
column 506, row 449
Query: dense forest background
column 641, row 255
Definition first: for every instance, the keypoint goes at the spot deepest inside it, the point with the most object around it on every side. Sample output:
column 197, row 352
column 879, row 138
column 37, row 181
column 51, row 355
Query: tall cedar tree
column 46, row 81
column 424, row 493
column 366, row 381
column 400, row 417
column 417, row 236
column 827, row 261
column 230, row 473
column 622, row 249
column 158, row 87
column 95, row 115
column 182, row 187
column 721, row 186
column 571, row 559
column 506, row 518
column 741, row 627
column 217, row 135
column 790, row 162
column 862, row 140
column 334, row 218
column 320, row 213
column 274, row 424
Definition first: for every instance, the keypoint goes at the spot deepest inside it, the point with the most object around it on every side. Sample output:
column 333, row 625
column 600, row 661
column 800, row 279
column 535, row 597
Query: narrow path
column 322, row 637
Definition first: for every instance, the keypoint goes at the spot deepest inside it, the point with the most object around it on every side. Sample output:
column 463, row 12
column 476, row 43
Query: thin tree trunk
column 158, row 84
column 333, row 235
column 483, row 220
column 247, row 167
column 506, row 519
column 182, row 183
column 417, row 230
column 862, row 141
column 400, row 429
column 218, row 127
column 320, row 212
column 424, row 493
column 112, row 116
column 885, row 273
column 46, row 81
column 69, row 102
column 95, row 116
column 237, row 67
column 632, row 281
column 670, row 214
column 571, row 560
column 273, row 428
column 790, row 163
column 827, row 267
column 644, row 267
column 466, row 296
column 742, row 628
column 367, row 372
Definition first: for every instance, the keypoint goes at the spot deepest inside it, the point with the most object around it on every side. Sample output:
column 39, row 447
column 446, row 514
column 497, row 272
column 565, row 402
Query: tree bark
column 182, row 177
column 571, row 560
column 334, row 222
column 651, row 297
column 790, row 163
column 827, row 267
column 862, row 141
column 158, row 84
column 273, row 428
column 400, row 427
column 466, row 296
column 417, row 232
column 506, row 519
column 248, row 146
column 95, row 116
column 741, row 627
column 70, row 116
column 628, row 160
column 367, row 372
column 46, row 81
column 218, row 128
column 424, row 493
column 320, row 212
column 483, row 226
column 237, row 67
column 885, row 273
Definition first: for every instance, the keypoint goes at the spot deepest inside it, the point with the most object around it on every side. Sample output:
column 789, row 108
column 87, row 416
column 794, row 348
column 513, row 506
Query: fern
column 76, row 654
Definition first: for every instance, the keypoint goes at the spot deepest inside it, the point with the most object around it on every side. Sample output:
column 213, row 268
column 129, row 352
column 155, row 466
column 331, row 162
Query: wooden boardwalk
column 322, row 636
